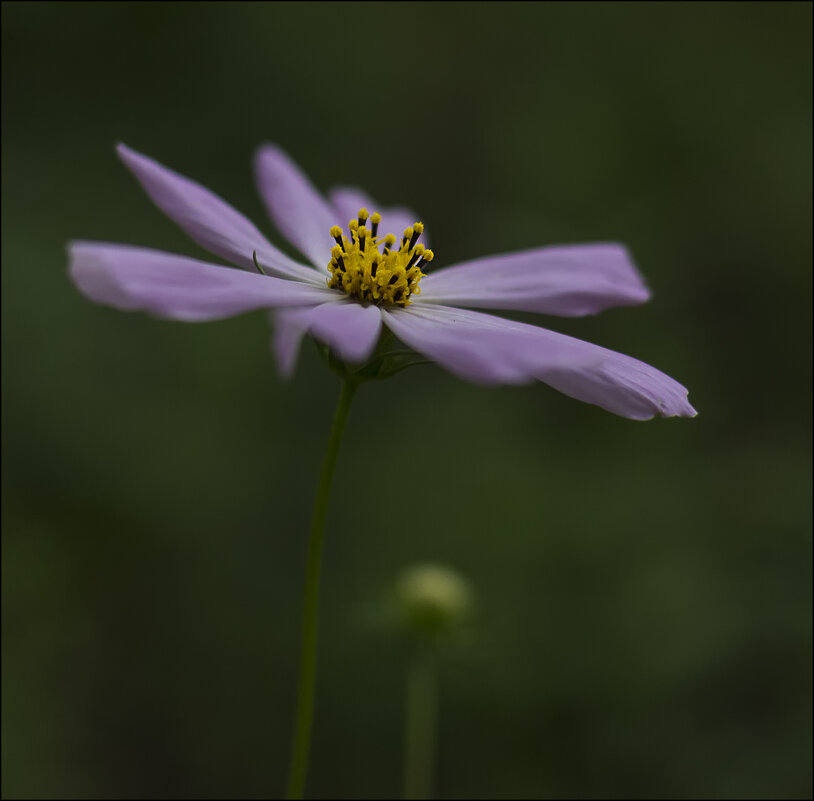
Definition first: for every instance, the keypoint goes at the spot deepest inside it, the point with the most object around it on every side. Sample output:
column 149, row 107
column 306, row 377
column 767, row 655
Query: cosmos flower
column 374, row 274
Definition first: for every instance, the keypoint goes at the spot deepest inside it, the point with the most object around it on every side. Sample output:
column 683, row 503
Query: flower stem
column 308, row 654
column 421, row 724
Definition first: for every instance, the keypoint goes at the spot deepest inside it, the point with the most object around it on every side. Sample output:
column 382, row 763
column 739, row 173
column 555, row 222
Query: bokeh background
column 643, row 623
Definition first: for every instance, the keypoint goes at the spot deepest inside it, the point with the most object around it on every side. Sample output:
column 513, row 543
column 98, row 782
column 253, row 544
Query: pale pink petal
column 178, row 287
column 298, row 210
column 347, row 201
column 455, row 344
column 568, row 280
column 490, row 350
column 289, row 326
column 348, row 328
column 210, row 221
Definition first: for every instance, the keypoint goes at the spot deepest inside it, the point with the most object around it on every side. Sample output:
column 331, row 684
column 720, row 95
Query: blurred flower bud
column 432, row 599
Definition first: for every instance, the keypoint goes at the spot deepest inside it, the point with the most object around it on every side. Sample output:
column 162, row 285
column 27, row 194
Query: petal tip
column 682, row 408
column 134, row 160
column 268, row 150
column 126, row 153
column 641, row 294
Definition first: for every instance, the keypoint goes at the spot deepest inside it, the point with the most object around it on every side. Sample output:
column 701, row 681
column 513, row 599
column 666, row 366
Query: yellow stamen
column 384, row 277
column 375, row 219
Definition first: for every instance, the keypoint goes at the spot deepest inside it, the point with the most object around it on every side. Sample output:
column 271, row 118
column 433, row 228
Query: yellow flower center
column 384, row 277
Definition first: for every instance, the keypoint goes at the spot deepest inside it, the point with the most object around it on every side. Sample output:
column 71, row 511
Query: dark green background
column 644, row 610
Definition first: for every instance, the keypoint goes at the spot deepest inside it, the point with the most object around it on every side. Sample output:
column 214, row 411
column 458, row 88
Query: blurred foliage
column 644, row 607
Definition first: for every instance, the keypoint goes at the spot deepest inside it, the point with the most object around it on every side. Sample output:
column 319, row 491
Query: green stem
column 421, row 724
column 308, row 655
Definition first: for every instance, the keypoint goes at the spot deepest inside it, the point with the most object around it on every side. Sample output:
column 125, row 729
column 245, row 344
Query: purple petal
column 299, row 211
column 289, row 327
column 348, row 328
column 568, row 280
column 490, row 350
column 177, row 287
column 347, row 201
column 210, row 221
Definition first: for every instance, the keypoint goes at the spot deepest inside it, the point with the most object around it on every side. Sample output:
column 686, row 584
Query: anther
column 408, row 232
column 362, row 233
column 415, row 257
column 375, row 219
column 373, row 268
column 336, row 233
column 425, row 258
column 418, row 228
column 363, row 215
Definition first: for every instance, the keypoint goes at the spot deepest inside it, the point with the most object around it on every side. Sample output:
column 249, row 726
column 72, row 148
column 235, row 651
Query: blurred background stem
column 421, row 724
column 308, row 654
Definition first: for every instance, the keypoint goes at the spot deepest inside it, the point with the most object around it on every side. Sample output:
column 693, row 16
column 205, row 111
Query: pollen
column 367, row 267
